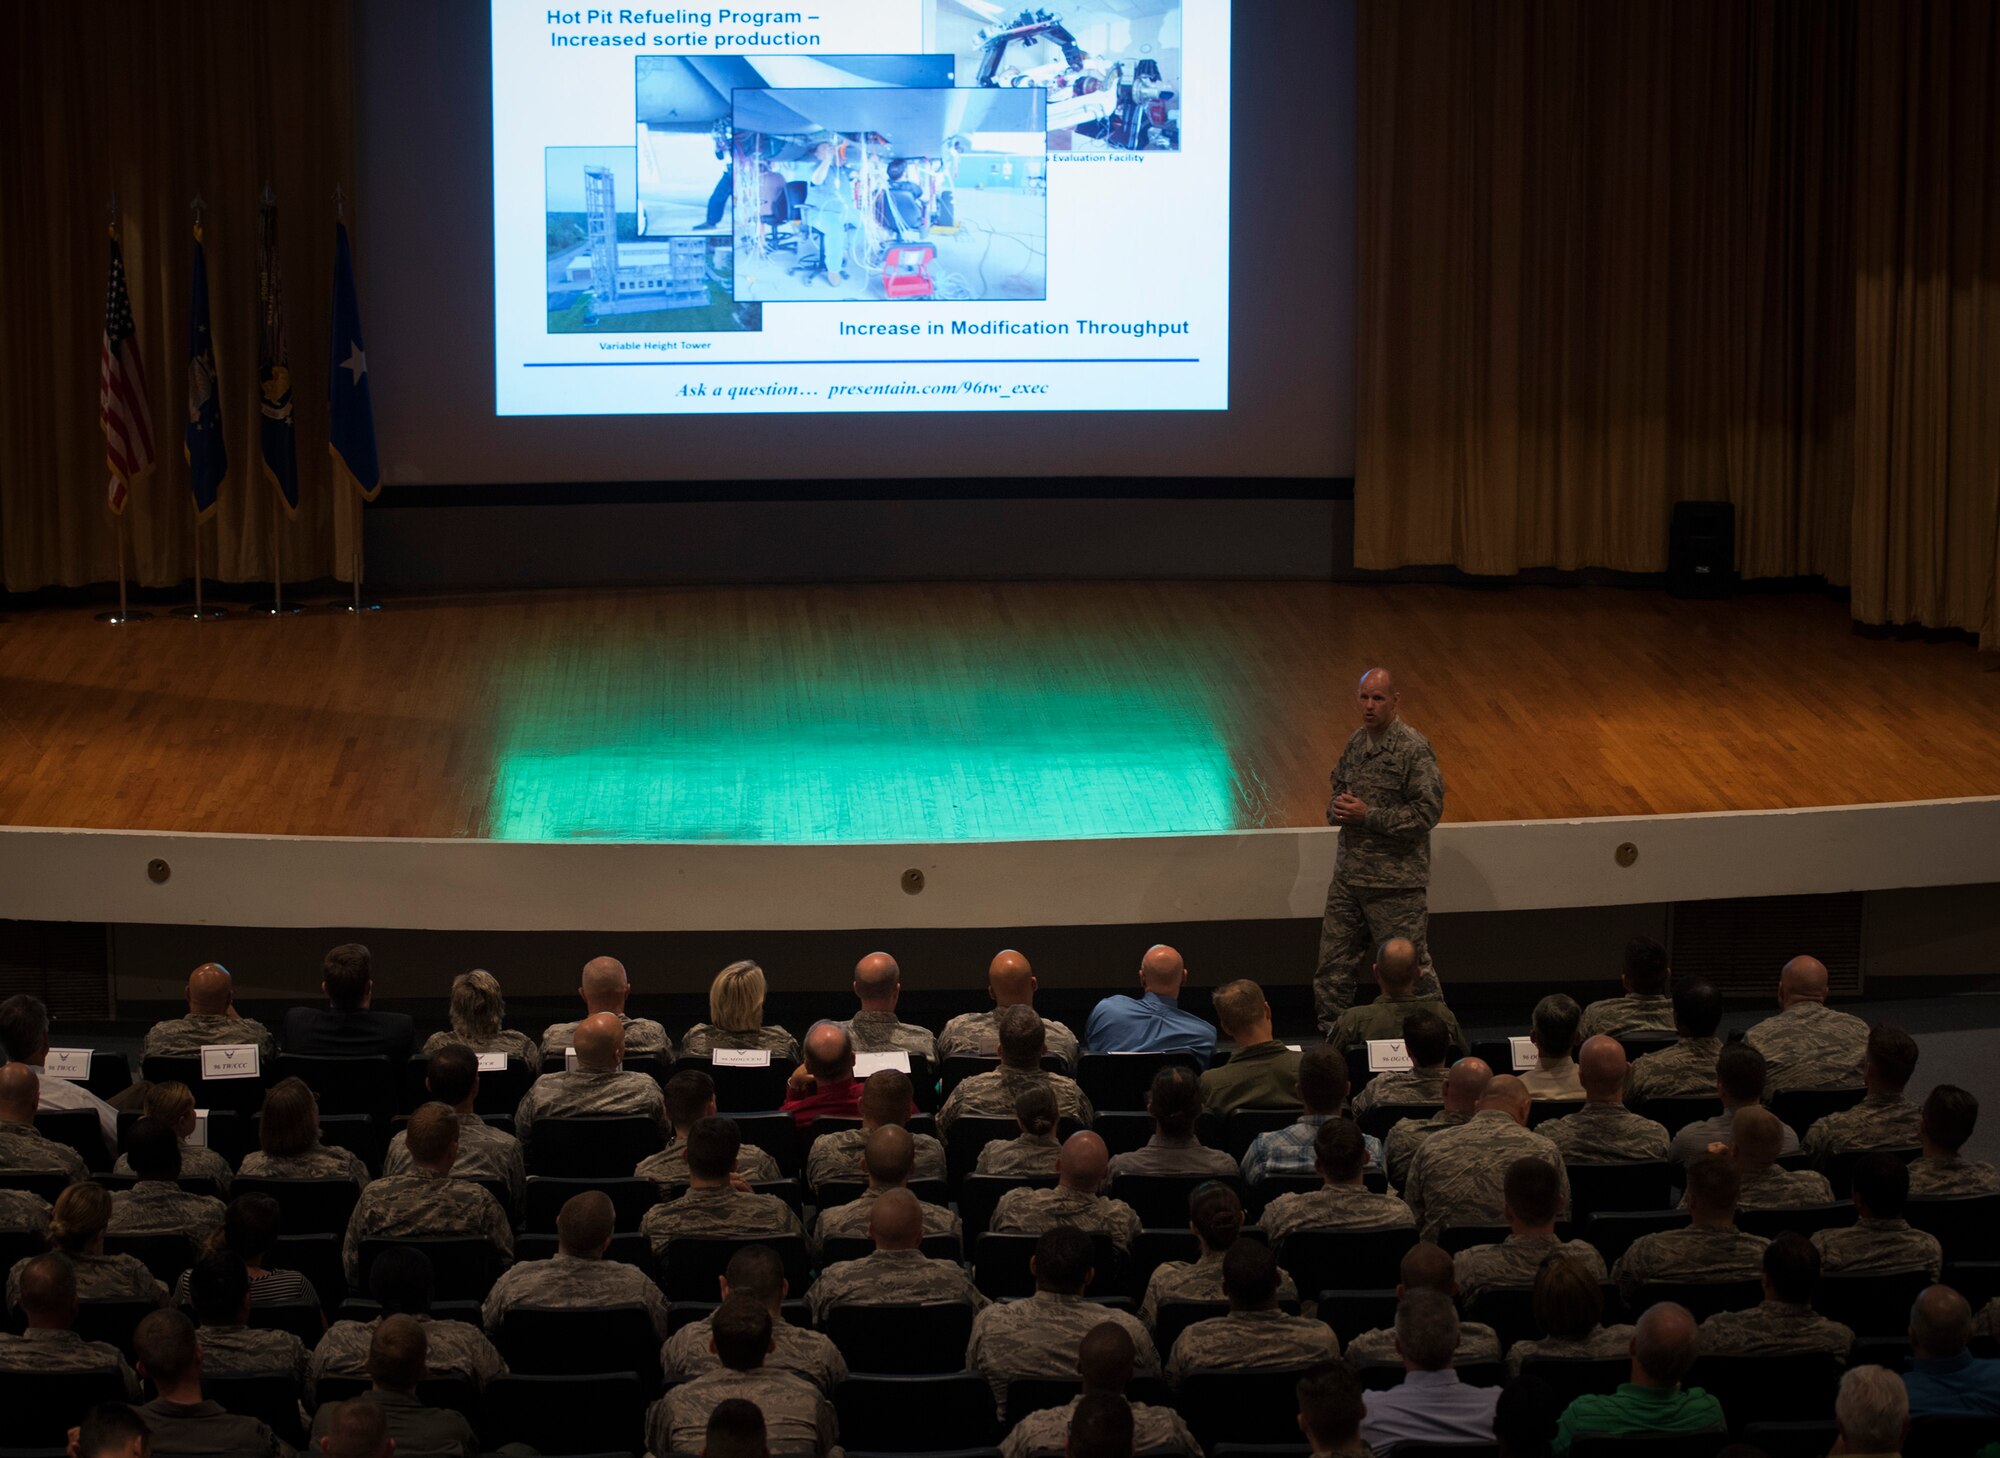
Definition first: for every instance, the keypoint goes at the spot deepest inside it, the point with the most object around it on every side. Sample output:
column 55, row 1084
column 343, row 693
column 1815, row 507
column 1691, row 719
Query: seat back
column 630, row 1199
column 42, row 1407
column 967, row 1137
column 926, row 1338
column 47, row 1184
column 778, row 1136
column 941, row 1247
column 1569, row 1378
column 343, row 1084
column 166, row 1254
column 1176, row 1317
column 1838, row 1165
column 499, row 1093
column 1767, row 1389
column 1702, row 1298
column 1456, row 1238
column 835, row 1193
column 1792, row 1440
column 1805, row 1219
column 1803, row 1107
column 365, row 1136
column 456, row 1393
column 590, row 1147
column 270, row 1397
column 305, row 1207
column 902, row 1413
column 1251, row 1407
column 1939, row 1436
column 1613, row 1231
column 693, row 1264
column 580, row 1340
column 601, row 1412
column 1509, row 1310
column 1381, row 1118
column 79, row 1129
column 1155, row 1247
column 1874, row 1303
column 742, row 1090
column 317, row 1258
column 1322, row 1260
column 462, row 1268
column 978, row 1194
column 1678, row 1113
column 1649, row 1445
column 1638, row 1045
column 303, row 1319
column 111, row 1319
column 1641, row 1185
column 1123, row 1080
column 1240, row 1127
column 1162, row 1200
column 1000, row 1265
column 240, row 1095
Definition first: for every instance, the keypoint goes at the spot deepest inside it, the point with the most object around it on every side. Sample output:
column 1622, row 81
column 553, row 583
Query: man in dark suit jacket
column 347, row 1026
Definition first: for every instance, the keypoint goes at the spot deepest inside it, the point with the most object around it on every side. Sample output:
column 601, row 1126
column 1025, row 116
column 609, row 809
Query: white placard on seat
column 569, row 1060
column 1388, row 1055
column 492, row 1062
column 1526, row 1056
column 231, row 1060
column 1296, row 1047
column 199, row 1139
column 70, row 1063
column 753, row 1058
column 867, row 1063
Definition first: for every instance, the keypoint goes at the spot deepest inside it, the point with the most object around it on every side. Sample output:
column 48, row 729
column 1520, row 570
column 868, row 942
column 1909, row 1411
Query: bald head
column 829, row 1052
column 889, row 1156
column 877, row 980
column 210, row 989
column 1081, row 1163
column 1427, row 1266
column 20, row 1092
column 1803, row 979
column 1509, row 1095
column 1602, row 1066
column 1465, row 1084
column 604, row 986
column 1755, row 1138
column 1105, row 1358
column 896, row 1221
column 1161, row 971
column 1663, row 1345
column 1377, row 697
column 600, row 1042
column 1010, row 979
column 1940, row 1322
column 1396, row 966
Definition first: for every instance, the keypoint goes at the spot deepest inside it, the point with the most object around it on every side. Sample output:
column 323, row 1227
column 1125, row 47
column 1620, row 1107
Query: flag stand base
column 130, row 615
column 199, row 614
column 360, row 609
column 275, row 610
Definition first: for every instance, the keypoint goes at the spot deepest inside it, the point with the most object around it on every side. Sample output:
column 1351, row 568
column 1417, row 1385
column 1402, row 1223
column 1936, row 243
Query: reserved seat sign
column 70, row 1063
column 1388, row 1055
column 230, row 1060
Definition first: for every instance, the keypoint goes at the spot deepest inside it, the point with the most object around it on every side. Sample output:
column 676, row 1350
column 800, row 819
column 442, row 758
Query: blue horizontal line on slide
column 687, row 364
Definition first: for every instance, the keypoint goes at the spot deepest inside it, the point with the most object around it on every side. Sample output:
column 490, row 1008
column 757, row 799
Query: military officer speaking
column 1387, row 794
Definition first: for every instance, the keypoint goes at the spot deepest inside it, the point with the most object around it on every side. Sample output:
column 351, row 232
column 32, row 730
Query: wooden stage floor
column 964, row 712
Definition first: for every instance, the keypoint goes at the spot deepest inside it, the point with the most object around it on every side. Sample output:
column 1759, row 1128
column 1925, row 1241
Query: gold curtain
column 158, row 103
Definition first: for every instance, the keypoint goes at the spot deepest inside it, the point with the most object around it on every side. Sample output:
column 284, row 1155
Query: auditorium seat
column 1791, row 1440
column 365, row 1136
column 1949, row 1437
column 835, row 1193
column 1613, row 1231
column 687, row 1313
column 922, row 1338
column 79, row 1129
column 1350, row 1312
column 303, row 1319
column 694, row 1263
column 271, row 1398
column 45, row 1183
column 1803, row 1107
column 1874, row 1303
column 500, row 1090
column 1241, row 1127
column 111, row 1319
column 566, row 1342
column 1805, row 1219
column 1380, row 1119
column 1963, row 1224
column 1838, row 1166
column 1122, row 1081
column 192, row 1184
column 1033, row 1394
column 590, row 1147
column 1320, row 1260
column 1249, row 1407
column 1703, row 1298
column 943, row 1246
column 774, row 1133
column 1162, row 1200
column 165, row 1254
column 741, row 1090
column 463, row 1269
column 1644, row 1185
column 547, row 1194
column 1637, row 1047
column 317, row 1258
column 239, row 1095
column 343, row 1085
column 457, row 1393
column 1155, row 1247
column 1678, row 1113
column 1509, row 1310
column 1000, row 1265
column 1759, row 1389
column 978, row 1194
column 1124, row 1130
column 882, row 1412
column 1456, row 1238
column 42, row 1407
column 969, row 1135
column 1649, row 1445
column 628, row 1246
column 1569, row 1378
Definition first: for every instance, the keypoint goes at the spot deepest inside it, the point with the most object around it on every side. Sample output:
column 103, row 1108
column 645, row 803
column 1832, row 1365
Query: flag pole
column 356, row 607
column 197, row 613
column 124, row 613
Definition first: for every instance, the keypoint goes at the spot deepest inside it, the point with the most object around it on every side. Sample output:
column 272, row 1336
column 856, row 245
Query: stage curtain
column 159, row 102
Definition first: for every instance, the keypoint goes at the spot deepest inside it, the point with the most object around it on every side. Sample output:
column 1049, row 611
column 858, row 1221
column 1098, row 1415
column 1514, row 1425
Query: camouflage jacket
column 321, row 1162
column 1252, row 1341
column 484, row 1153
column 186, row 1037
column 1876, row 1244
column 1455, row 1176
column 1513, row 1263
column 1195, row 1280
column 716, row 1214
column 1773, row 1329
column 1880, row 1121
column 1633, row 1015
column 704, row 1038
column 456, row 1349
column 1368, row 1022
column 805, row 1354
column 160, row 1207
column 1936, row 1178
column 1694, row 1254
column 1602, row 1342
column 1038, row 1337
column 975, row 1035
column 644, row 1038
column 197, row 1163
column 1606, row 1134
column 892, row 1278
column 1027, row 1211
column 852, row 1219
column 1406, row 1086
column 99, row 1277
column 836, row 1157
column 513, row 1043
column 1024, row 1154
column 420, row 1205
column 1809, row 1045
column 1406, row 1136
column 1186, row 1155
column 1684, row 1071
column 1777, row 1188
column 797, row 1416
column 41, row 1350
column 1477, row 1342
column 573, row 1283
column 1045, row 1434
column 992, row 1096
column 589, row 1093
column 1397, row 778
column 1334, row 1207
column 26, row 1214
column 883, row 1032
column 24, row 1149
column 669, row 1168
column 251, row 1351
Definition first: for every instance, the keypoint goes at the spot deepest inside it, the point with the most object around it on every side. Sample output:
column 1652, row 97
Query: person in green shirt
column 1663, row 1348
column 1262, row 1072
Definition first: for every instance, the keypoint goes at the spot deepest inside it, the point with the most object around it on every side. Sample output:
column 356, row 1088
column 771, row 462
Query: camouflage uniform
column 1682, row 1257
column 589, row 1093
column 716, row 1214
column 1045, row 1434
column 992, row 1096
column 509, row 1041
column 161, row 1207
column 1026, row 1211
column 24, row 1213
column 574, row 1283
column 457, row 1349
column 1776, row 1188
column 1606, row 1134
column 24, row 1149
column 484, row 1153
column 704, row 1038
column 1185, row 1155
column 669, row 1168
column 1370, row 1022
column 1952, row 1176
column 1023, row 1155
column 892, row 1278
column 197, row 1163
column 100, row 1277
column 644, row 1038
column 1987, row 1321
column 1634, row 1015
column 1334, row 1207
column 251, row 1351
column 974, row 1035
column 1880, row 1121
column 1684, row 1071
column 804, row 1354
column 1512, row 1264
column 1406, row 1086
column 44, row 1350
column 421, row 1205
column 797, row 1416
column 186, row 1037
column 881, row 1032
column 1809, row 1045
column 1196, row 1280
column 836, row 1158
column 1873, row 1243
column 322, row 1162
column 1773, row 1329
column 852, row 1219
column 1477, row 1342
column 1602, row 1342
column 1407, row 1136
column 1381, row 871
column 1456, row 1175
column 1038, row 1337
column 1252, row 1341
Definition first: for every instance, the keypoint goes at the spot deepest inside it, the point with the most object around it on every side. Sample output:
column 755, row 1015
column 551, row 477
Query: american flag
column 121, row 390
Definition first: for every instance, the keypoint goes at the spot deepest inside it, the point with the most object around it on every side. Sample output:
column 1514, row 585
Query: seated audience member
column 1880, row 1239
column 1323, row 1094
column 1456, row 1175
column 179, row 1419
column 992, row 1095
column 1215, row 1216
column 1686, row 1070
column 1010, row 982
column 173, row 1105
column 1256, row 1335
column 887, row 1097
column 577, row 1277
column 1104, row 1359
column 1739, row 1083
column 1807, row 1044
column 1398, row 972
column 1884, row 1119
column 1553, row 1032
column 1709, row 1249
column 1531, row 1199
column 24, row 1149
column 1343, row 1202
column 357, row 1430
column 1174, row 1101
column 219, row 1291
column 691, row 1097
column 713, row 1206
column 401, row 1282
column 1644, row 1010
column 756, row 1270
column 605, row 988
column 1872, row 1411
column 288, row 1144
column 1754, row 1141
column 1154, row 1021
column 1426, row 1267
column 24, row 1038
column 896, row 1272
column 797, row 1415
column 1081, row 1171
column 1035, row 1149
column 1431, row 1405
column 735, row 1430
column 1262, row 1072
column 1330, row 1412
column 600, row 1086
column 736, row 1018
column 1464, row 1086
column 484, row 1153
column 824, row 1085
column 348, row 1026
column 1569, row 1310
column 1604, row 1131
column 211, row 1019
column 250, row 1233
column 1038, row 1337
column 50, row 1344
column 398, row 1360
column 114, row 1430
column 1943, row 1378
column 1785, row 1323
column 1428, row 1042
column 156, row 1205
column 1949, row 1115
column 1653, row 1402
column 76, row 1229
column 427, row 1203
column 875, row 1028
column 888, row 1159
column 478, row 1012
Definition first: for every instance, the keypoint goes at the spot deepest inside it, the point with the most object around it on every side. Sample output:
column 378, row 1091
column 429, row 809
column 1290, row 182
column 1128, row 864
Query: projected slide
column 874, row 205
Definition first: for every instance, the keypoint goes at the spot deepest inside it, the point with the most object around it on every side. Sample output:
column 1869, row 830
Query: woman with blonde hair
column 736, row 1018
column 288, row 1140
column 76, row 1229
column 1569, row 1308
column 173, row 1105
column 477, row 1011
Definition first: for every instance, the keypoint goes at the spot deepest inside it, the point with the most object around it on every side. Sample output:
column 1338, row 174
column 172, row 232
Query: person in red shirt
column 825, row 1083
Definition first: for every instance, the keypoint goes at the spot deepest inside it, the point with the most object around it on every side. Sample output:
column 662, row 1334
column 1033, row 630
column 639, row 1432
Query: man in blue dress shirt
column 1943, row 1377
column 1153, row 1022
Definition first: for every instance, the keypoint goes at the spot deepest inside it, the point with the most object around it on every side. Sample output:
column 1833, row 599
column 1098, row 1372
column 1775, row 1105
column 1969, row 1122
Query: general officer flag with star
column 207, row 458
column 352, row 439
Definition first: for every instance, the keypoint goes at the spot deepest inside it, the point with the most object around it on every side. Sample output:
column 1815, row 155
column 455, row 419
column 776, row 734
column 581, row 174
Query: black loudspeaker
column 1701, row 549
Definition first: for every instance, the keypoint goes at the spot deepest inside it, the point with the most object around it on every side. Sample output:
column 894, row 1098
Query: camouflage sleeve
column 655, row 1302
column 828, row 1426
column 486, row 1361
column 499, row 1229
column 948, row 1115
column 493, row 1310
column 1818, row 1140
column 1422, row 804
column 350, row 1246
